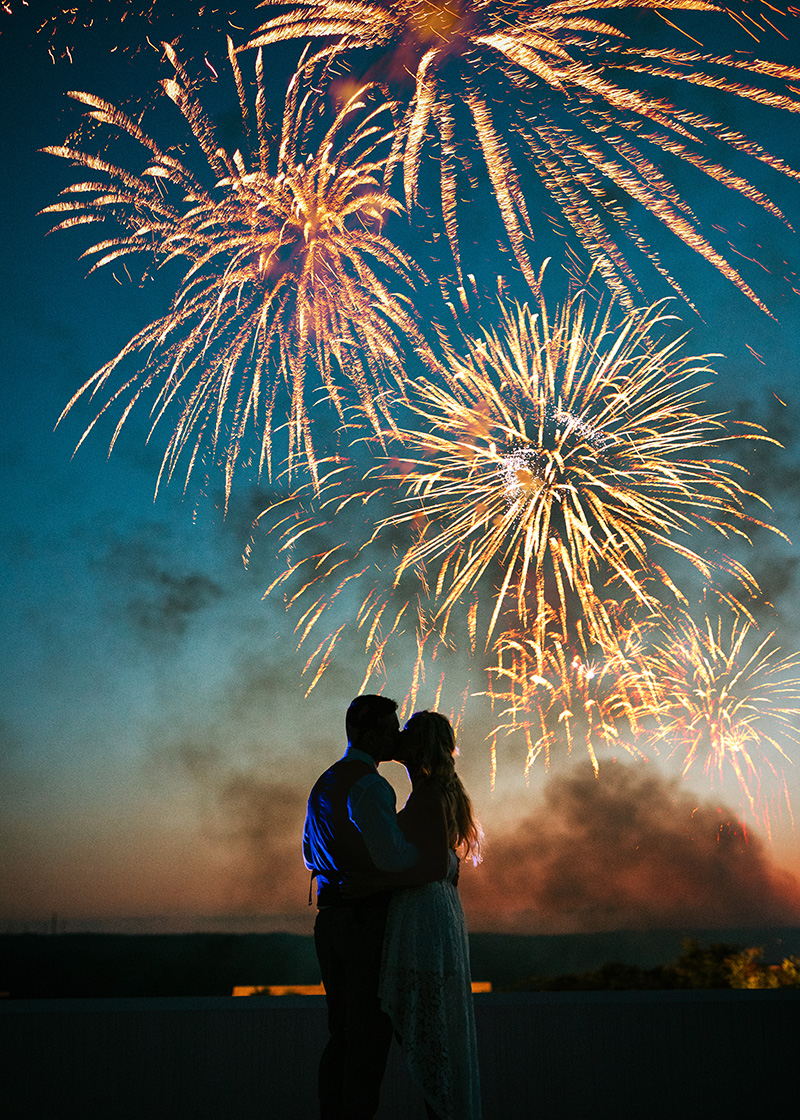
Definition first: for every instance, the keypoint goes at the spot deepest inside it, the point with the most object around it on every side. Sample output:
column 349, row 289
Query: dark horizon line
column 288, row 923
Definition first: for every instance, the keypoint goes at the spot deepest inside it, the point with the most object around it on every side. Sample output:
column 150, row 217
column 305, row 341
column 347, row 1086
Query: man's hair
column 364, row 712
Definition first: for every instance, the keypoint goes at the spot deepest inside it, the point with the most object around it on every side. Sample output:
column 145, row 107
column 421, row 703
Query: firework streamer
column 727, row 702
column 287, row 280
column 560, row 696
column 557, row 87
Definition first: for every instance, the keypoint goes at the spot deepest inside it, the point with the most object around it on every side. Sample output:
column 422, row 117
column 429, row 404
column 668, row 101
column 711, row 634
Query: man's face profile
column 387, row 733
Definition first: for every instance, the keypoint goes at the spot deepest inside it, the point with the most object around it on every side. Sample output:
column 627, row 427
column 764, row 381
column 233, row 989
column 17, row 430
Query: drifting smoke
column 774, row 470
column 256, row 825
column 265, row 824
column 630, row 850
column 158, row 600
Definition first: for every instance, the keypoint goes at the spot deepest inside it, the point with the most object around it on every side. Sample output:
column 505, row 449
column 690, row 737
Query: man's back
column 351, row 825
column 332, row 844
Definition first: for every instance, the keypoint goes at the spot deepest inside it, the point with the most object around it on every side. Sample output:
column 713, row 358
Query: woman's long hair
column 434, row 759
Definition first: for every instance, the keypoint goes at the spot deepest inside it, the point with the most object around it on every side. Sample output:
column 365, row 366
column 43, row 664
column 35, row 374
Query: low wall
column 544, row 1056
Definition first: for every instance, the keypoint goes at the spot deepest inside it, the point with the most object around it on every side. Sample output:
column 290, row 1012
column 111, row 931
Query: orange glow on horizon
column 478, row 987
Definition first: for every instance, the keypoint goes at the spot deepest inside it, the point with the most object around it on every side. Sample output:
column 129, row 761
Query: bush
column 718, row 965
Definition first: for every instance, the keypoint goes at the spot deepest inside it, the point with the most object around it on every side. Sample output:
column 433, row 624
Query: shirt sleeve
column 373, row 810
column 308, row 856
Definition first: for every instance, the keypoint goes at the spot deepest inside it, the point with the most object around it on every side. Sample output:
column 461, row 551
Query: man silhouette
column 351, row 827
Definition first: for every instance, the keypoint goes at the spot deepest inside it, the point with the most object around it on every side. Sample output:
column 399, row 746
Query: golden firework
column 535, row 499
column 284, row 269
column 575, row 94
column 337, row 579
column 727, row 700
column 563, row 462
column 559, row 695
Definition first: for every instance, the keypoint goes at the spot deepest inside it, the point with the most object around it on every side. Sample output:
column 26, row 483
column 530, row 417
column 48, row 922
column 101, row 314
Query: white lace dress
column 425, row 989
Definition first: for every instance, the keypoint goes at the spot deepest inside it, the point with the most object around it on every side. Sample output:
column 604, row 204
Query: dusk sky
column 157, row 746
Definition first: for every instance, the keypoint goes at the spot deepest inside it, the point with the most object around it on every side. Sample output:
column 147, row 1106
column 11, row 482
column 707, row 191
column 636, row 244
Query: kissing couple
column 390, row 933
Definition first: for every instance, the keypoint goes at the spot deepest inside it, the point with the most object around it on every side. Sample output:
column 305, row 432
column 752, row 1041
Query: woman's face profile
column 410, row 740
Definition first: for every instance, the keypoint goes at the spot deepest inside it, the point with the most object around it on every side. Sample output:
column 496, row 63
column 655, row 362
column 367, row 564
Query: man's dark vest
column 336, row 834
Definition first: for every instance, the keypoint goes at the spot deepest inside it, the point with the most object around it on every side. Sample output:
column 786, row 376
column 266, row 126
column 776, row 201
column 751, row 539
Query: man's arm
column 373, row 810
column 425, row 821
column 308, row 854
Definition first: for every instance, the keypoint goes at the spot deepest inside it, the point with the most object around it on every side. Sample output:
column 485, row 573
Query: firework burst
column 561, row 460
column 338, row 568
column 562, row 696
column 536, row 499
column 727, row 701
column 283, row 270
column 576, row 93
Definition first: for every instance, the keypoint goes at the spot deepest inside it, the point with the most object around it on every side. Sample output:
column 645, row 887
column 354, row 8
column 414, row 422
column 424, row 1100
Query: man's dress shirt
column 372, row 808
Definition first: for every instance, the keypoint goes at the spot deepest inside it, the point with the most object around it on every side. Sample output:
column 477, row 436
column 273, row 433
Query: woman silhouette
column 425, row 985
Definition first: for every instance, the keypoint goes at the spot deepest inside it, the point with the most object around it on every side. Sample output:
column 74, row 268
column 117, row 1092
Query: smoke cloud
column 264, row 830
column 631, row 850
column 158, row 599
column 254, row 824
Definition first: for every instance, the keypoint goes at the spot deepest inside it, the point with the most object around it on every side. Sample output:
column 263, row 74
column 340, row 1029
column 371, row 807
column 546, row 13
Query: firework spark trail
column 337, row 582
column 575, row 89
column 281, row 271
column 130, row 28
column 562, row 455
column 726, row 701
column 563, row 695
column 531, row 503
